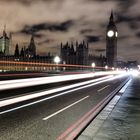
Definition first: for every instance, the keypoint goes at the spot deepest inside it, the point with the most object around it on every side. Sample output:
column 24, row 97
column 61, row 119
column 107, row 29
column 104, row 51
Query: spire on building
column 111, row 20
column 4, row 31
column 32, row 39
column 17, row 51
column 111, row 16
column 22, row 52
column 32, row 46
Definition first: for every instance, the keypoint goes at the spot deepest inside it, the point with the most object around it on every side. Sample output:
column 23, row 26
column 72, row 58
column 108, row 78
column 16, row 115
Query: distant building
column 74, row 53
column 98, row 60
column 26, row 52
column 111, row 42
column 132, row 64
column 78, row 54
column 70, row 53
column 30, row 51
column 4, row 44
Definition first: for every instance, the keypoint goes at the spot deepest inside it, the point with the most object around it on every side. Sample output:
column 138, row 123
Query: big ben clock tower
column 111, row 42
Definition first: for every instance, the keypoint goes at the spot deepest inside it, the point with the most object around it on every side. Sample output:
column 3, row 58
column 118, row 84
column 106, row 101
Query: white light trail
column 18, row 99
column 11, row 84
column 39, row 94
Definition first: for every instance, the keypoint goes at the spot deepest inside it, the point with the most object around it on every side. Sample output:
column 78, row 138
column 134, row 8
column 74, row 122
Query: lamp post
column 93, row 65
column 57, row 61
column 106, row 67
column 113, row 68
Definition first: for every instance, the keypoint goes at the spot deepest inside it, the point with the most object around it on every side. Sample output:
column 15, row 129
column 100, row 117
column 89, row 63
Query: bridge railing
column 6, row 65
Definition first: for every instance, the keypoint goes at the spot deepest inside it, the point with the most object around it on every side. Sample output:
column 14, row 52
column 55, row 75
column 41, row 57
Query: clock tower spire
column 111, row 42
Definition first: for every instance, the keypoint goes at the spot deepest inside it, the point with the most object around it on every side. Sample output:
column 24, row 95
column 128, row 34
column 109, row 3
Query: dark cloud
column 124, row 18
column 126, row 4
column 27, row 2
column 92, row 39
column 136, row 46
column 138, row 34
column 63, row 27
column 38, row 35
column 84, row 31
column 100, row 50
column 131, row 21
column 123, row 5
column 134, row 25
column 123, row 37
column 45, row 41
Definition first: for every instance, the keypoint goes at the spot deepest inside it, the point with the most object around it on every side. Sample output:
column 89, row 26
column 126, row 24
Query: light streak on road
column 65, row 108
column 39, row 94
column 20, row 83
column 6, row 102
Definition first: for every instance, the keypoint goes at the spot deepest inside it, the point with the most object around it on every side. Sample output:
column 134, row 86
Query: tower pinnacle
column 111, row 16
column 4, row 31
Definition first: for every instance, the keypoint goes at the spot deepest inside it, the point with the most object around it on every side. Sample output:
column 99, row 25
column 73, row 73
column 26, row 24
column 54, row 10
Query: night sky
column 56, row 21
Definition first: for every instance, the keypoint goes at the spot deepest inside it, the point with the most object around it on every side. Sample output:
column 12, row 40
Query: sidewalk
column 120, row 119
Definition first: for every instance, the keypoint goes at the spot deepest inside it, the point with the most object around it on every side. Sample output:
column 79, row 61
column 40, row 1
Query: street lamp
column 106, row 67
column 93, row 65
column 113, row 68
column 57, row 61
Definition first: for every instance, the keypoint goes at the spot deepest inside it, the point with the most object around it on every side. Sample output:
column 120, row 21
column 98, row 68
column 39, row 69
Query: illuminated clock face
column 110, row 33
column 116, row 34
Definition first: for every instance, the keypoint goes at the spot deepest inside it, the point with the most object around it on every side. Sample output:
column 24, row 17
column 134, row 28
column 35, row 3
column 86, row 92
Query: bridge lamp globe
column 93, row 65
column 106, row 67
column 57, row 59
column 113, row 68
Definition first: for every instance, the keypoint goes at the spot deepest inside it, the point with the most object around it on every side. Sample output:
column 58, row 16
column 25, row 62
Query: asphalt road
column 47, row 120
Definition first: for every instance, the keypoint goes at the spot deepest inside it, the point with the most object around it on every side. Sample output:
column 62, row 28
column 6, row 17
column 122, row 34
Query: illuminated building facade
column 4, row 44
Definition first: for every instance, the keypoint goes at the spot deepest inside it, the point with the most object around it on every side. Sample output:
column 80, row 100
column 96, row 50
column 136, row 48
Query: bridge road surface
column 120, row 120
column 49, row 119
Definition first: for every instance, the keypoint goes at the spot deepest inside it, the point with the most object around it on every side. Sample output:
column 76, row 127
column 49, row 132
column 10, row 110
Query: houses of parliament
column 76, row 53
column 79, row 53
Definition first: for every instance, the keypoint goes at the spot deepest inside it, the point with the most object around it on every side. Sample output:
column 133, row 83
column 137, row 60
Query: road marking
column 73, row 131
column 103, row 88
column 65, row 108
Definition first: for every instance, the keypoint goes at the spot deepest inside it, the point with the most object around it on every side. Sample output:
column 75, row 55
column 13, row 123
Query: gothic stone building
column 76, row 54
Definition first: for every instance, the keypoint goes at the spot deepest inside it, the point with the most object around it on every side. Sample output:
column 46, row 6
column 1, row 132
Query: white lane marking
column 65, row 108
column 103, row 88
